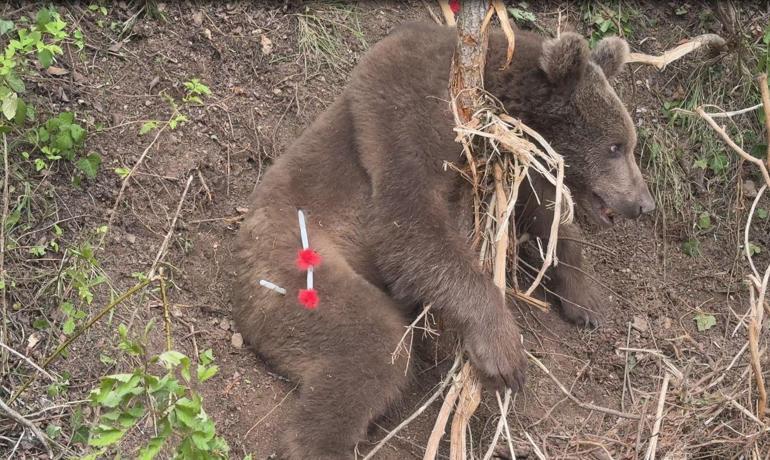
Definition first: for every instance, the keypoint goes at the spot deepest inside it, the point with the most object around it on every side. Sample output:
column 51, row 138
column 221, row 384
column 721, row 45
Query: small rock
column 749, row 188
column 32, row 341
column 224, row 324
column 237, row 340
column 277, row 91
column 266, row 45
column 666, row 322
column 197, row 18
column 640, row 324
column 131, row 238
column 154, row 83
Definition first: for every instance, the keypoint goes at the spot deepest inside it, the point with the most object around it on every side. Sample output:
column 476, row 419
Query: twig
column 439, row 426
column 449, row 377
column 29, row 361
column 271, row 410
column 470, row 397
column 6, row 198
column 126, row 179
column 574, row 399
column 79, row 332
column 653, row 446
column 410, row 332
column 24, row 422
column 205, row 186
column 766, row 105
column 166, row 240
column 499, row 430
column 726, row 138
column 745, row 411
column 166, row 315
column 535, row 447
column 660, row 62
column 449, row 16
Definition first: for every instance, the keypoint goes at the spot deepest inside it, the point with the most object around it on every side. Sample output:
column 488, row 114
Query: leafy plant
column 704, row 221
column 42, row 39
column 195, row 90
column 606, row 22
column 705, row 322
column 691, row 247
column 521, row 14
column 60, row 137
column 125, row 399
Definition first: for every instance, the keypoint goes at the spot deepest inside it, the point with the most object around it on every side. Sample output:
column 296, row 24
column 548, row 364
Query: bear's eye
column 616, row 150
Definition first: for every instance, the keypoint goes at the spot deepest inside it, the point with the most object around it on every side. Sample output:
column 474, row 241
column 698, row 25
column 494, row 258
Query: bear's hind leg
column 348, row 375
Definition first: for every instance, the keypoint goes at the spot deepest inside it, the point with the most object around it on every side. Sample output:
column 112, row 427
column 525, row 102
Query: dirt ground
column 268, row 82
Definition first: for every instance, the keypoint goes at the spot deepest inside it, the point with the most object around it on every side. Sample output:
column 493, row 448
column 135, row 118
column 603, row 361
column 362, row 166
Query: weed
column 195, row 90
column 60, row 137
column 322, row 32
column 522, row 15
column 606, row 21
column 176, row 409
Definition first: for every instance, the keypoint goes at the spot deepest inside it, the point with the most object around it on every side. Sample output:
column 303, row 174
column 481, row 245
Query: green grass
column 322, row 33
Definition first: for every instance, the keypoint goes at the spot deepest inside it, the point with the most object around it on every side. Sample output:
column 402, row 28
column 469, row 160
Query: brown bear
column 392, row 224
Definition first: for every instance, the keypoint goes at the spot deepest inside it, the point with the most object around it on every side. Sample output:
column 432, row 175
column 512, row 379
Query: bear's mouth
column 604, row 214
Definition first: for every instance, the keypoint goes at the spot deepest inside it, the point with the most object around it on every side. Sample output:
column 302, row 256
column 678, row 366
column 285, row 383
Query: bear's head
column 566, row 96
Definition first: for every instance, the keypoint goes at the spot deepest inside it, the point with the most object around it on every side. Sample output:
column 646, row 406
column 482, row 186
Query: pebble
column 237, row 340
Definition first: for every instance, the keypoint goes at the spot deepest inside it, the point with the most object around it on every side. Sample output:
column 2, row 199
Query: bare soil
column 260, row 102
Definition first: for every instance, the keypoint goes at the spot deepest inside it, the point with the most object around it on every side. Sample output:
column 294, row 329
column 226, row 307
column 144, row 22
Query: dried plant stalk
column 509, row 167
column 758, row 283
column 660, row 62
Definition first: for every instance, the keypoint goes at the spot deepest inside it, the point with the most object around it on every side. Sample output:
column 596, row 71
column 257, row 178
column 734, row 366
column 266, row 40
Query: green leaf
column 45, row 57
column 21, row 112
column 106, row 436
column 43, row 17
column 5, row 26
column 152, row 448
column 173, row 358
column 761, row 213
column 704, row 221
column 10, row 102
column 719, row 162
column 68, row 327
column 206, row 372
column 754, row 249
column 705, row 322
column 691, row 247
column 122, row 172
column 15, row 83
column 89, row 165
column 148, row 126
column 77, row 133
column 53, row 431
column 207, row 357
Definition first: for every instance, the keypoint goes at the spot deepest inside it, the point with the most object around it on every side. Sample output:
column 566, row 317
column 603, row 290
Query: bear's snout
column 637, row 204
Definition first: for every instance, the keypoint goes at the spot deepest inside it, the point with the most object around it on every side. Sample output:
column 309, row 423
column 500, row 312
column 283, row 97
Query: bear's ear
column 564, row 59
column 611, row 54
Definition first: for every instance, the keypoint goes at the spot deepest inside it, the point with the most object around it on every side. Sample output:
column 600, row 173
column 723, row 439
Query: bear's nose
column 647, row 202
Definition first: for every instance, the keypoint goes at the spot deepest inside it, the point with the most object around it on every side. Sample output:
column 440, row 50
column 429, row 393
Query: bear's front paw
column 497, row 354
column 582, row 306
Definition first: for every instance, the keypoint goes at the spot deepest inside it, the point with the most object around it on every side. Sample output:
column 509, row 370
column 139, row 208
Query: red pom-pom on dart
column 308, row 298
column 454, row 5
column 307, row 258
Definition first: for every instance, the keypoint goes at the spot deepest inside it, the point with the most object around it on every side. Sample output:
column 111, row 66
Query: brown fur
column 392, row 224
